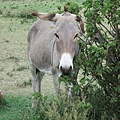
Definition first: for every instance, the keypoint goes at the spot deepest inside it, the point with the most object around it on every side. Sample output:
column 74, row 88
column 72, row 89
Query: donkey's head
column 66, row 32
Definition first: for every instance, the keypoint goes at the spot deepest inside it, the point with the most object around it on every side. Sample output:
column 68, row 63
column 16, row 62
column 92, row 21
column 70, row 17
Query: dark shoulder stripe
column 51, row 16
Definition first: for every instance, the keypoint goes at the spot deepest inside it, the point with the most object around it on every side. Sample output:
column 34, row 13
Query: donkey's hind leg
column 39, row 79
column 56, row 84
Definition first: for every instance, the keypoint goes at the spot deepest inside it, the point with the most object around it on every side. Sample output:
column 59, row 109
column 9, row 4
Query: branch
column 106, row 29
column 113, row 27
column 87, row 43
column 100, row 33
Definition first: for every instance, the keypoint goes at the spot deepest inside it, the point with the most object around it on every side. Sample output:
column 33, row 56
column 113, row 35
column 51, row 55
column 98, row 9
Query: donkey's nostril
column 61, row 68
column 70, row 67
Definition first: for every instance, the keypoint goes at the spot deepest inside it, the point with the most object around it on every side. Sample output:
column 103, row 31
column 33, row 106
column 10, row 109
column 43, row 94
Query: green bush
column 57, row 109
column 99, row 60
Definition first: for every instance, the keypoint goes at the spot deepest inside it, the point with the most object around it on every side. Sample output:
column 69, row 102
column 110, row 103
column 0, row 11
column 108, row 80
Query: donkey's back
column 41, row 26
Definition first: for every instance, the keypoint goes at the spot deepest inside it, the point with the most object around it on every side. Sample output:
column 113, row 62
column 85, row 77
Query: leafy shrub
column 51, row 108
column 99, row 60
column 73, row 7
column 102, row 59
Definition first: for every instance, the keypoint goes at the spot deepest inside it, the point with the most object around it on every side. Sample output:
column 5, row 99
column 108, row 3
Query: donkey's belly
column 47, row 71
column 43, row 66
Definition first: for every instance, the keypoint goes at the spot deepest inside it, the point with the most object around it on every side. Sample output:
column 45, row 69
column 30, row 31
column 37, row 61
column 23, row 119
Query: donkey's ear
column 46, row 16
column 78, row 19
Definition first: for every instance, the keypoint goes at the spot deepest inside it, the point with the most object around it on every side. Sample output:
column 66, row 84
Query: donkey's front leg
column 56, row 83
column 69, row 91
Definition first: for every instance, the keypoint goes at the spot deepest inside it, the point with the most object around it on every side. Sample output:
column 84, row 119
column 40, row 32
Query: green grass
column 13, row 106
column 23, row 8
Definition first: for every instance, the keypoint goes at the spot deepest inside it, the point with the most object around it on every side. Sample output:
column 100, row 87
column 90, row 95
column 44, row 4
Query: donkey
column 52, row 45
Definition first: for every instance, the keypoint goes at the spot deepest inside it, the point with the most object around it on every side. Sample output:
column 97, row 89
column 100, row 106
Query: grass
column 13, row 106
column 25, row 7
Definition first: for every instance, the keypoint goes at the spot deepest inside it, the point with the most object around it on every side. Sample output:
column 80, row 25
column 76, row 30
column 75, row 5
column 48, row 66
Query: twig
column 106, row 29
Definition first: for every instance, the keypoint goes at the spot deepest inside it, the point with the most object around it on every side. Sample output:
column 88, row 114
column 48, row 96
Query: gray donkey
column 52, row 45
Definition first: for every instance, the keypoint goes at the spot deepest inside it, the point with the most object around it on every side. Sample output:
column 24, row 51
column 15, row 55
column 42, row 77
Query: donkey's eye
column 56, row 35
column 76, row 36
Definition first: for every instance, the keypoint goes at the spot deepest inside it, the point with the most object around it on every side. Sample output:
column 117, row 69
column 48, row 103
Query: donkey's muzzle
column 66, row 71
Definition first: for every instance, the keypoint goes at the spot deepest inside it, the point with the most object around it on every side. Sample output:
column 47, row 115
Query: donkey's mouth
column 66, row 71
